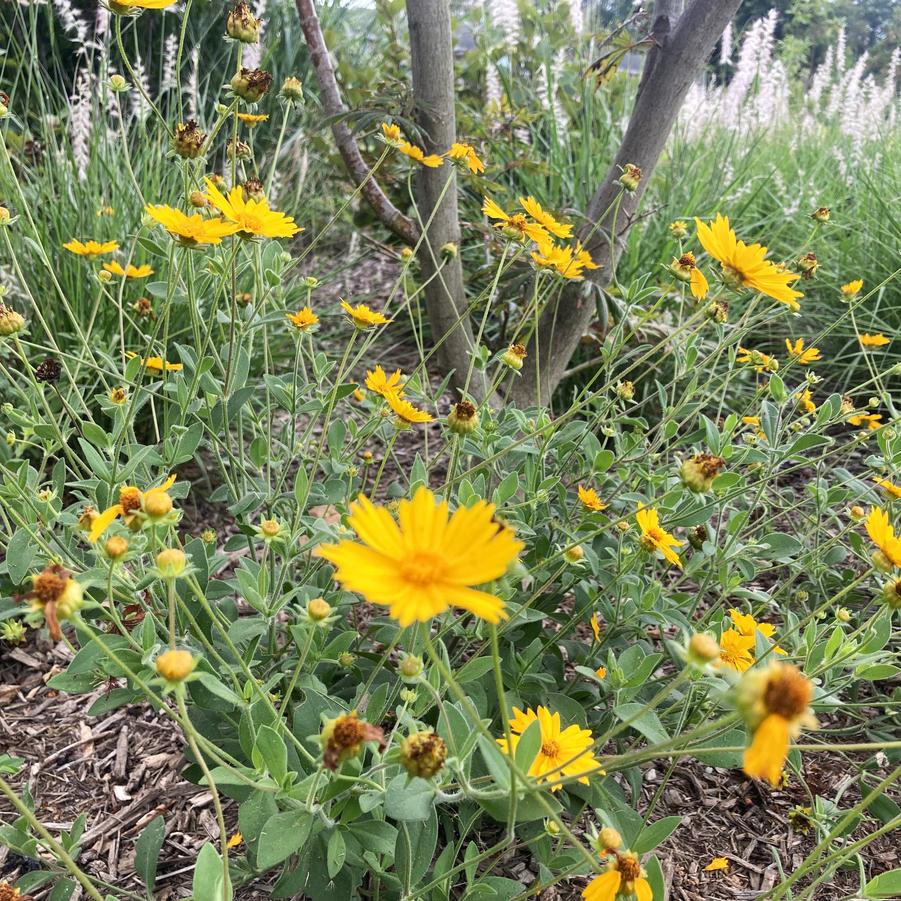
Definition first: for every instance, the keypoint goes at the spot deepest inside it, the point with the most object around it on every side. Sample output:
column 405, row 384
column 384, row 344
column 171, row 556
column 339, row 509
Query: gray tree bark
column 432, row 57
column 677, row 58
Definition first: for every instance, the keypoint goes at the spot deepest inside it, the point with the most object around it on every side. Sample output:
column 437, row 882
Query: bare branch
column 402, row 226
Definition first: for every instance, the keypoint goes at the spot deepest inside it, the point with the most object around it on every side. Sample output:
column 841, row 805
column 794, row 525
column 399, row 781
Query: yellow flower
column 601, row 672
column 362, row 316
column 890, row 488
column 805, row 399
column 624, row 880
column 467, row 153
column 253, row 217
column 380, row 383
column 810, row 355
column 303, row 320
column 775, row 703
column 140, row 4
column 870, row 420
column 131, row 501
column 541, row 216
column 130, row 271
column 516, row 226
column 91, row 248
column 735, row 650
column 762, row 362
column 191, row 230
column 391, row 132
column 566, row 261
column 749, row 627
column 745, row 265
column 595, row 626
column 432, row 160
column 882, row 534
column 852, row 287
column 685, row 268
column 653, row 537
column 590, row 499
column 235, row 840
column 877, row 340
column 718, row 863
column 428, row 561
column 156, row 363
column 562, row 753
column 406, row 413
column 252, row 119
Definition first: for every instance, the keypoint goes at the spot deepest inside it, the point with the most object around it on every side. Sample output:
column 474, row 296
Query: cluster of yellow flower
column 466, row 153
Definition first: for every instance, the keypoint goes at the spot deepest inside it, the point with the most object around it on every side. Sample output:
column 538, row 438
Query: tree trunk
column 432, row 53
column 676, row 60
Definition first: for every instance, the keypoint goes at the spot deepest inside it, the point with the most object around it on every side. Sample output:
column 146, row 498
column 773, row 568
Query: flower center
column 788, row 693
column 251, row 223
column 422, row 568
column 550, row 749
column 734, row 278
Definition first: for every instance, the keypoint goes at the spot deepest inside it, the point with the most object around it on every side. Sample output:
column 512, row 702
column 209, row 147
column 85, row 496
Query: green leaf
column 20, row 553
column 780, row 546
column 474, row 669
column 405, row 800
column 645, row 721
column 375, row 835
column 528, row 746
column 335, row 853
column 208, row 883
column 147, row 851
column 282, row 835
column 655, row 834
column 273, row 752
column 885, row 885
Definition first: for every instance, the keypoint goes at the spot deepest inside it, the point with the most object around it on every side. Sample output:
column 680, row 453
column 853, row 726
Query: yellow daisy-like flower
column 882, row 534
column 653, row 537
column 432, row 160
column 601, row 672
column 467, row 153
column 685, row 268
column 762, row 362
column 303, row 320
column 130, row 271
column 775, row 703
column 426, row 562
column 718, row 863
column 802, row 355
column 745, row 265
column 877, row 340
column 362, row 316
column 517, row 226
column 254, row 218
column 890, row 488
column 91, row 248
column 127, row 5
column 191, row 230
column 735, row 650
column 590, row 499
column 380, row 383
column 872, row 421
column 566, row 261
column 624, row 879
column 805, row 399
column 156, row 363
column 405, row 412
column 541, row 216
column 852, row 287
column 749, row 627
column 131, row 501
column 252, row 119
column 392, row 133
column 563, row 752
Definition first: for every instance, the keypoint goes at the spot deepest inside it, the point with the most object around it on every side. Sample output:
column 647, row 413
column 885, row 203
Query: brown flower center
column 550, row 749
column 422, row 568
column 130, row 498
column 50, row 584
column 629, row 867
column 788, row 693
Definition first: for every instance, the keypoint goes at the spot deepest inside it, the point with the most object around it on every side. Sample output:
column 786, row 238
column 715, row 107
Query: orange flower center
column 423, row 568
column 629, row 867
column 550, row 749
column 788, row 693
column 130, row 498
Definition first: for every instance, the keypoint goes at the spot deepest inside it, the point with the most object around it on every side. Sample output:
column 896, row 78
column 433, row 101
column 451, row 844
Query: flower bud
column 319, row 609
column 11, row 322
column 116, row 547
column 157, row 504
column 423, row 754
column 625, row 390
column 574, row 554
column 513, row 356
column 449, row 250
column 12, row 632
column 631, row 177
column 718, row 311
column 346, row 659
column 679, row 229
column 857, row 513
column 171, row 563
column 292, row 89
column 241, row 24
column 699, row 471
column 208, row 536
column 188, row 140
column 820, row 214
column 463, row 418
column 198, row 200
column 237, row 149
column 118, row 83
column 882, row 562
column 175, row 665
column 406, row 253
column 270, row 529
column 808, row 264
column 843, row 615
column 891, row 594
column 104, row 277
column 703, row 648
column 5, row 216
column 609, row 839
column 251, row 84
column 411, row 667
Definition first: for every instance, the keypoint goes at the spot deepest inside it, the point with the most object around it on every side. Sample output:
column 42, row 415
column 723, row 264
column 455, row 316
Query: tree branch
column 402, row 226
